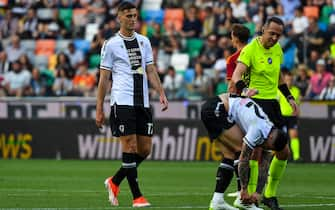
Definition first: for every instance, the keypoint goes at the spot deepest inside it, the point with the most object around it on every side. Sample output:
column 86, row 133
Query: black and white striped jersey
column 251, row 119
column 127, row 58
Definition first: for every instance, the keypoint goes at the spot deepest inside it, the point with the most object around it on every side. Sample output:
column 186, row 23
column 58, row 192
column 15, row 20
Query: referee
column 127, row 58
column 258, row 75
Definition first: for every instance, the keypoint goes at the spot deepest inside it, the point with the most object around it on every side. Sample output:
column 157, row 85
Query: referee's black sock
column 132, row 178
column 122, row 172
column 224, row 175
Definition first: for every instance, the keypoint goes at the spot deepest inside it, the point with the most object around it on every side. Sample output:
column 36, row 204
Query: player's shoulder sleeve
column 247, row 53
column 107, row 54
column 146, row 46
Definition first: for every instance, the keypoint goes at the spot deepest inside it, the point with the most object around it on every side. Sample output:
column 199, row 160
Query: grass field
column 70, row 184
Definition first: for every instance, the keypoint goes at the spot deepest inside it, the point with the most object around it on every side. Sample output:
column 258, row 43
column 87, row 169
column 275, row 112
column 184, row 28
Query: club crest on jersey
column 269, row 60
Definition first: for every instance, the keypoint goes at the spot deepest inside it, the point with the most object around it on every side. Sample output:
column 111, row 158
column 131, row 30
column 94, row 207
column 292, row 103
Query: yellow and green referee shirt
column 263, row 68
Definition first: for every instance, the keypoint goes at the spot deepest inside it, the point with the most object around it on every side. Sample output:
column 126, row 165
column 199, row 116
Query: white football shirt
column 127, row 58
column 251, row 119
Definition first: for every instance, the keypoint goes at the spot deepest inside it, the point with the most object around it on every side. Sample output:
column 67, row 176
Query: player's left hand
column 164, row 102
column 294, row 106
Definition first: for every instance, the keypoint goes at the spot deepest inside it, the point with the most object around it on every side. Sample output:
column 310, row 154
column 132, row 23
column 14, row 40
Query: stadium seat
column 66, row 16
column 322, row 26
column 251, row 26
column 44, row 14
column 41, row 62
column 156, row 16
column 189, row 75
column 91, row 30
column 94, row 61
column 180, row 62
column 3, row 3
column 221, row 87
column 193, row 46
column 61, row 45
column 79, row 17
column 325, row 14
column 151, row 4
column 289, row 57
column 82, row 44
column 28, row 44
column 311, row 12
column 174, row 17
column 45, row 47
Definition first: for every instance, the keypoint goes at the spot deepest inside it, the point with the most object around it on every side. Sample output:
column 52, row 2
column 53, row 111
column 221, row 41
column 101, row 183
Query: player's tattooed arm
column 243, row 166
column 263, row 171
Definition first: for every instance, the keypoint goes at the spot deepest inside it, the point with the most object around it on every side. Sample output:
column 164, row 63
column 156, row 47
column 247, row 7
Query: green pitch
column 69, row 184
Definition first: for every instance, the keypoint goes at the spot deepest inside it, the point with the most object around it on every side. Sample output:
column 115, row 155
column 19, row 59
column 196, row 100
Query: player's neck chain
column 128, row 38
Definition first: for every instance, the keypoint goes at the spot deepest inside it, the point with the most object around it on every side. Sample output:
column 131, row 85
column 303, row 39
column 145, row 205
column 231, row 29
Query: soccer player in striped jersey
column 127, row 58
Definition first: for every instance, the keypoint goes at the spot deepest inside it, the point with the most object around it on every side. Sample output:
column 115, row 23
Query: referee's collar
column 127, row 38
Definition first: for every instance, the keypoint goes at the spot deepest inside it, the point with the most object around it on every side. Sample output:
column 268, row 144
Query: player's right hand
column 99, row 118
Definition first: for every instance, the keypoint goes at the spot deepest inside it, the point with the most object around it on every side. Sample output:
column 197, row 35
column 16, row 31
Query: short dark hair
column 280, row 139
column 125, row 5
column 241, row 32
column 275, row 20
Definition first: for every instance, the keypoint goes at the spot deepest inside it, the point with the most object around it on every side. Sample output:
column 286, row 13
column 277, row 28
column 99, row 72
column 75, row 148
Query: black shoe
column 271, row 202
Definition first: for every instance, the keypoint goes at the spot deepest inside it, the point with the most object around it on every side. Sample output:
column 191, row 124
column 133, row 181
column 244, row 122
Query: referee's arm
column 156, row 84
column 102, row 86
column 240, row 69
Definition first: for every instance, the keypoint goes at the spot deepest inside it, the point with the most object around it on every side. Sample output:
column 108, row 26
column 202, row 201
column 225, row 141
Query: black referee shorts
column 127, row 120
column 272, row 109
column 215, row 117
column 291, row 122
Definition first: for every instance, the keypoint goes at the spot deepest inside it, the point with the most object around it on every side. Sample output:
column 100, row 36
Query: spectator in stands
column 289, row 7
column 9, row 25
column 252, row 8
column 14, row 50
column 209, row 52
column 239, row 9
column 319, row 80
column 63, row 62
column 62, row 85
column 313, row 57
column 75, row 56
column 97, row 43
column 302, row 79
column 299, row 25
column 96, row 11
column 192, row 25
column 25, row 62
column 4, row 64
column 328, row 93
column 173, row 85
column 220, row 67
column 38, row 85
column 201, row 86
column 17, row 81
column 84, row 82
column 209, row 22
column 316, row 38
column 28, row 29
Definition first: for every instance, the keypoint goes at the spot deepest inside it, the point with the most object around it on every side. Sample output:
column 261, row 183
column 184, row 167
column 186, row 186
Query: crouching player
column 246, row 126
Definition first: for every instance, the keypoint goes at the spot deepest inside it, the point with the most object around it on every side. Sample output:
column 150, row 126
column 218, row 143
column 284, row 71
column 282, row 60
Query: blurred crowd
column 52, row 47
